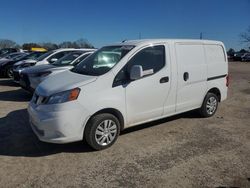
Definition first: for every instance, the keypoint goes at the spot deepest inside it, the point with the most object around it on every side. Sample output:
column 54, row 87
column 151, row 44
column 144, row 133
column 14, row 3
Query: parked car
column 246, row 57
column 5, row 51
column 10, row 56
column 238, row 56
column 150, row 80
column 47, row 58
column 30, row 78
column 25, row 63
column 6, row 65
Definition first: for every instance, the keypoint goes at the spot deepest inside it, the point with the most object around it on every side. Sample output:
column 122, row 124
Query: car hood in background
column 48, row 67
column 5, row 61
column 25, row 61
column 63, row 81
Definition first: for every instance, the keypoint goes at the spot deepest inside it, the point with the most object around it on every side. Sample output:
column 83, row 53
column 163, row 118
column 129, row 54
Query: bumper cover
column 62, row 123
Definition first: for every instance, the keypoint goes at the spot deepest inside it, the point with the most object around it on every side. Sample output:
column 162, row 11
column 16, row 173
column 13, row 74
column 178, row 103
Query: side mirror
column 136, row 72
column 53, row 60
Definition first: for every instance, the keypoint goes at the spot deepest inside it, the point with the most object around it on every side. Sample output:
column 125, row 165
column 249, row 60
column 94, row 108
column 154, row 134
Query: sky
column 104, row 22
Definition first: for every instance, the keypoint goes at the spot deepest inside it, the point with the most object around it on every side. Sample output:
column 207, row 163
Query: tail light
column 227, row 80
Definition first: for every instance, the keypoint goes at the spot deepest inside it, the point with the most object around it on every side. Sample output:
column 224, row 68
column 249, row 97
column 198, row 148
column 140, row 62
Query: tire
column 9, row 72
column 97, row 136
column 210, row 105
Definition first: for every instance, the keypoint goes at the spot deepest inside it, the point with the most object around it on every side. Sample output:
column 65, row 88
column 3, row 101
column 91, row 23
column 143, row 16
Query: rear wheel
column 102, row 131
column 210, row 105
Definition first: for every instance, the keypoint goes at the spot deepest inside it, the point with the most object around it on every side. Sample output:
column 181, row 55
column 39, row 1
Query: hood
column 63, row 81
column 43, row 68
column 43, row 62
column 25, row 61
column 4, row 61
column 38, row 68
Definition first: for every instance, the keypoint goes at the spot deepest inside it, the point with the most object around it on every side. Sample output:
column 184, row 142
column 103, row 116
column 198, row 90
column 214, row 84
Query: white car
column 47, row 58
column 150, row 80
column 30, row 78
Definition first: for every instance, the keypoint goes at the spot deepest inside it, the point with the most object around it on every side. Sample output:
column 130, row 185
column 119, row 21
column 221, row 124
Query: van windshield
column 102, row 60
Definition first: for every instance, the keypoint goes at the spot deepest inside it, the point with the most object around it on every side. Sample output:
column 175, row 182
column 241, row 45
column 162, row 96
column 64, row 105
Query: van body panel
column 191, row 61
column 145, row 99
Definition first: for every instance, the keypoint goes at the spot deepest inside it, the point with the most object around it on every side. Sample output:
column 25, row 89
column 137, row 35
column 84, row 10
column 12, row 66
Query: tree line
column 80, row 43
column 83, row 43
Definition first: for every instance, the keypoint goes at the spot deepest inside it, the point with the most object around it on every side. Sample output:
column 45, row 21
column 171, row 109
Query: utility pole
column 201, row 35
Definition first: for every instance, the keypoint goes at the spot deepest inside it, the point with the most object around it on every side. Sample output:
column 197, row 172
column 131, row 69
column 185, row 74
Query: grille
column 38, row 99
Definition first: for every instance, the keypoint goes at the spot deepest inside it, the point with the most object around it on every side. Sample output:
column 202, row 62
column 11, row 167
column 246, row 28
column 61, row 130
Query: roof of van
column 147, row 41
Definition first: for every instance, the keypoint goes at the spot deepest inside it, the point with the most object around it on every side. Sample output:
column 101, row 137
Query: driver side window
column 150, row 58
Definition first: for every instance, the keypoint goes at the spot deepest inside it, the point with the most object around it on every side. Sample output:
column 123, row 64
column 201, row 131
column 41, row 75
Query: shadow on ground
column 17, row 138
column 8, row 82
column 18, row 95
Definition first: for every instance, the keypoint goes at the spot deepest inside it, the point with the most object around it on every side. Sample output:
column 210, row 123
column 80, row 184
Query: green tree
column 231, row 52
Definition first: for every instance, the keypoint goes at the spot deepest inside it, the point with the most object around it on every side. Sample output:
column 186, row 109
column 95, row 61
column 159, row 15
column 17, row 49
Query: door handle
column 164, row 80
column 185, row 76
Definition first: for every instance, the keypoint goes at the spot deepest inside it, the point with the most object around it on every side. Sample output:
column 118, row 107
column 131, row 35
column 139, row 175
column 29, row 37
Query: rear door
column 192, row 75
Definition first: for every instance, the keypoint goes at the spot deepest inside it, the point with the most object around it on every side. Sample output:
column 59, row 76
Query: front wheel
column 9, row 72
column 209, row 106
column 102, row 131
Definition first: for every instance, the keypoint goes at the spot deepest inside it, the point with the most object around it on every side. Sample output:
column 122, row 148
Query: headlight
column 64, row 96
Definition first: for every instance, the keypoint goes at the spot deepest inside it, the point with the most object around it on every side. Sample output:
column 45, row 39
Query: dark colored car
column 6, row 67
column 25, row 63
column 246, row 57
column 5, row 51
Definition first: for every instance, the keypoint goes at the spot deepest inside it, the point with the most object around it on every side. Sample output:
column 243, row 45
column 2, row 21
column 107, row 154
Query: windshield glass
column 67, row 59
column 9, row 56
column 42, row 57
column 34, row 55
column 102, row 60
column 17, row 58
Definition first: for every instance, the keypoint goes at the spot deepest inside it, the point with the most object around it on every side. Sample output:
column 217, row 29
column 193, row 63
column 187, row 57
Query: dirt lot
column 181, row 151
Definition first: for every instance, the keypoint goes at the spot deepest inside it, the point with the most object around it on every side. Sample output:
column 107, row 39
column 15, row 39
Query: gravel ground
column 180, row 151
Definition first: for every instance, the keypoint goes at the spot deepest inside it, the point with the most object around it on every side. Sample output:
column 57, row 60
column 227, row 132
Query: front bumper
column 16, row 76
column 61, row 123
column 25, row 83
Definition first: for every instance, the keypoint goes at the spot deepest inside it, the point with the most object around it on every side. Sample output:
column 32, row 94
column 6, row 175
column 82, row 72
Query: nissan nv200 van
column 127, row 84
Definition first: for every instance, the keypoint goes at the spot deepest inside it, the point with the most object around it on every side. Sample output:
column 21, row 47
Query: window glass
column 151, row 58
column 42, row 57
column 58, row 56
column 35, row 55
column 67, row 59
column 81, row 58
column 102, row 60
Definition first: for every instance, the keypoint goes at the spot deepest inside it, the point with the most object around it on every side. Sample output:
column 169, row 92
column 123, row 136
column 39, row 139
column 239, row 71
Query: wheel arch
column 215, row 91
column 114, row 112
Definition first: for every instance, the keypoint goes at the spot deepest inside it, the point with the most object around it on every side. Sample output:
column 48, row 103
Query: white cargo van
column 127, row 84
